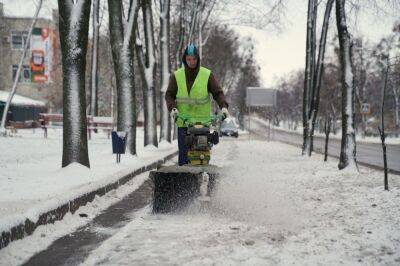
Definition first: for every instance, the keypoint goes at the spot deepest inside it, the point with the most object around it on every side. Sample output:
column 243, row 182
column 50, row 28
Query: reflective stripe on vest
column 197, row 103
column 192, row 101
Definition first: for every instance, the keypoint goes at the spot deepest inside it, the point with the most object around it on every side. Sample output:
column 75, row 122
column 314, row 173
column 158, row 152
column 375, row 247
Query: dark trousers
column 183, row 157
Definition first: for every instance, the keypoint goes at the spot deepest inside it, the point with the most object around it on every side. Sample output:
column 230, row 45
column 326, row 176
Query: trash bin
column 118, row 139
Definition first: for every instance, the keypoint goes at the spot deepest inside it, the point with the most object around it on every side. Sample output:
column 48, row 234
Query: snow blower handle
column 204, row 120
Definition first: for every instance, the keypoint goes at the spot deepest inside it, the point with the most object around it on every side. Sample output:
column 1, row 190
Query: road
column 367, row 153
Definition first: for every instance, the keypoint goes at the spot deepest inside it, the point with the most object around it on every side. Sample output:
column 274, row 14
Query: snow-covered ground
column 271, row 207
column 18, row 252
column 338, row 135
column 32, row 180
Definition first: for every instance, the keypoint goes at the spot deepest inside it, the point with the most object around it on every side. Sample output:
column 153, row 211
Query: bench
column 93, row 123
column 105, row 123
column 13, row 126
column 48, row 120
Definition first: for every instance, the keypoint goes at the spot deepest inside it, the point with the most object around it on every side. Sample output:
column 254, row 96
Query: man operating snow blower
column 189, row 102
column 188, row 97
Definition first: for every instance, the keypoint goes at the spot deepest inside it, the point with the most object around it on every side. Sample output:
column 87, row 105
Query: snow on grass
column 271, row 207
column 299, row 130
column 18, row 252
column 32, row 180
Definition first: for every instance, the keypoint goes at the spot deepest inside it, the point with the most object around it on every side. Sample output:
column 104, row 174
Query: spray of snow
column 250, row 193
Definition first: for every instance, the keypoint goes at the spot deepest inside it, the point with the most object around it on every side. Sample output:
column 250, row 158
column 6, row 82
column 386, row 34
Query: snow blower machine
column 175, row 187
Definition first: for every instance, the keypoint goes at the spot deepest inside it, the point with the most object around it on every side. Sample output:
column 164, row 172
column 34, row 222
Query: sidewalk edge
column 28, row 227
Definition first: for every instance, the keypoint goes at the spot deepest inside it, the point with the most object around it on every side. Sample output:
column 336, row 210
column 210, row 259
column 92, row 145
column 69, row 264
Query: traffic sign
column 365, row 109
column 257, row 96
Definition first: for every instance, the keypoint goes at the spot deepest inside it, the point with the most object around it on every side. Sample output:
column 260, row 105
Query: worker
column 188, row 94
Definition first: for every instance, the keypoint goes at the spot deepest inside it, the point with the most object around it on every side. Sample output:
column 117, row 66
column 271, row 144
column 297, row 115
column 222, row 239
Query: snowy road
column 271, row 207
column 368, row 153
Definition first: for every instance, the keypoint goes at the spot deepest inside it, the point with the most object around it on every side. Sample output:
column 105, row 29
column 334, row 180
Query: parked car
column 229, row 128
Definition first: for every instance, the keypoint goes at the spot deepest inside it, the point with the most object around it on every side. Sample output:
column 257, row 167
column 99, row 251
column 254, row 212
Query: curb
column 28, row 227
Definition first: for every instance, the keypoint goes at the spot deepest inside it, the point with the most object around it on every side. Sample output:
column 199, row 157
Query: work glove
column 225, row 112
column 174, row 113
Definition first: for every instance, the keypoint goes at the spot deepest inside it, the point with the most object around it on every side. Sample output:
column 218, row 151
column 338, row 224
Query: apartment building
column 40, row 76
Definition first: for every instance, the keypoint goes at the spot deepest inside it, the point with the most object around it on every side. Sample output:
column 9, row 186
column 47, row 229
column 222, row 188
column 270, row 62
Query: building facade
column 40, row 74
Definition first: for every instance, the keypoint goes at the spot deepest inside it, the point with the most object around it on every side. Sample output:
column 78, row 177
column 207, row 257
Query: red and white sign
column 41, row 54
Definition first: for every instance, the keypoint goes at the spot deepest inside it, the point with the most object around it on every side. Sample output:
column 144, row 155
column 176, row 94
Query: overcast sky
column 277, row 54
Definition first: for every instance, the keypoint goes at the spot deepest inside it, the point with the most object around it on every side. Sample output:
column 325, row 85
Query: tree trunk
column 381, row 128
column 182, row 33
column 147, row 65
column 313, row 60
column 194, row 21
column 122, row 37
column 199, row 24
column 360, row 91
column 95, row 56
column 203, row 21
column 14, row 87
column 327, row 132
column 396, row 107
column 308, row 76
column 348, row 144
column 165, row 69
column 74, row 27
column 318, row 74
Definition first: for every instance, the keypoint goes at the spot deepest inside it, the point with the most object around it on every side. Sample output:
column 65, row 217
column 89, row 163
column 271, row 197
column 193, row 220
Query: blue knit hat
column 191, row 50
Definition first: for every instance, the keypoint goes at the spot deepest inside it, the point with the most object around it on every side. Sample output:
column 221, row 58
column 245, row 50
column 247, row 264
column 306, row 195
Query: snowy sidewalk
column 32, row 182
column 272, row 207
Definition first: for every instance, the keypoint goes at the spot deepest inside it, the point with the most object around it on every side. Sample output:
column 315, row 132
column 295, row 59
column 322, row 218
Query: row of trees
column 313, row 77
column 368, row 61
column 337, row 87
column 126, row 46
column 142, row 51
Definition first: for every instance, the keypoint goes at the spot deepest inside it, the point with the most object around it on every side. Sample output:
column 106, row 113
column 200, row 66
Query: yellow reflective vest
column 197, row 104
